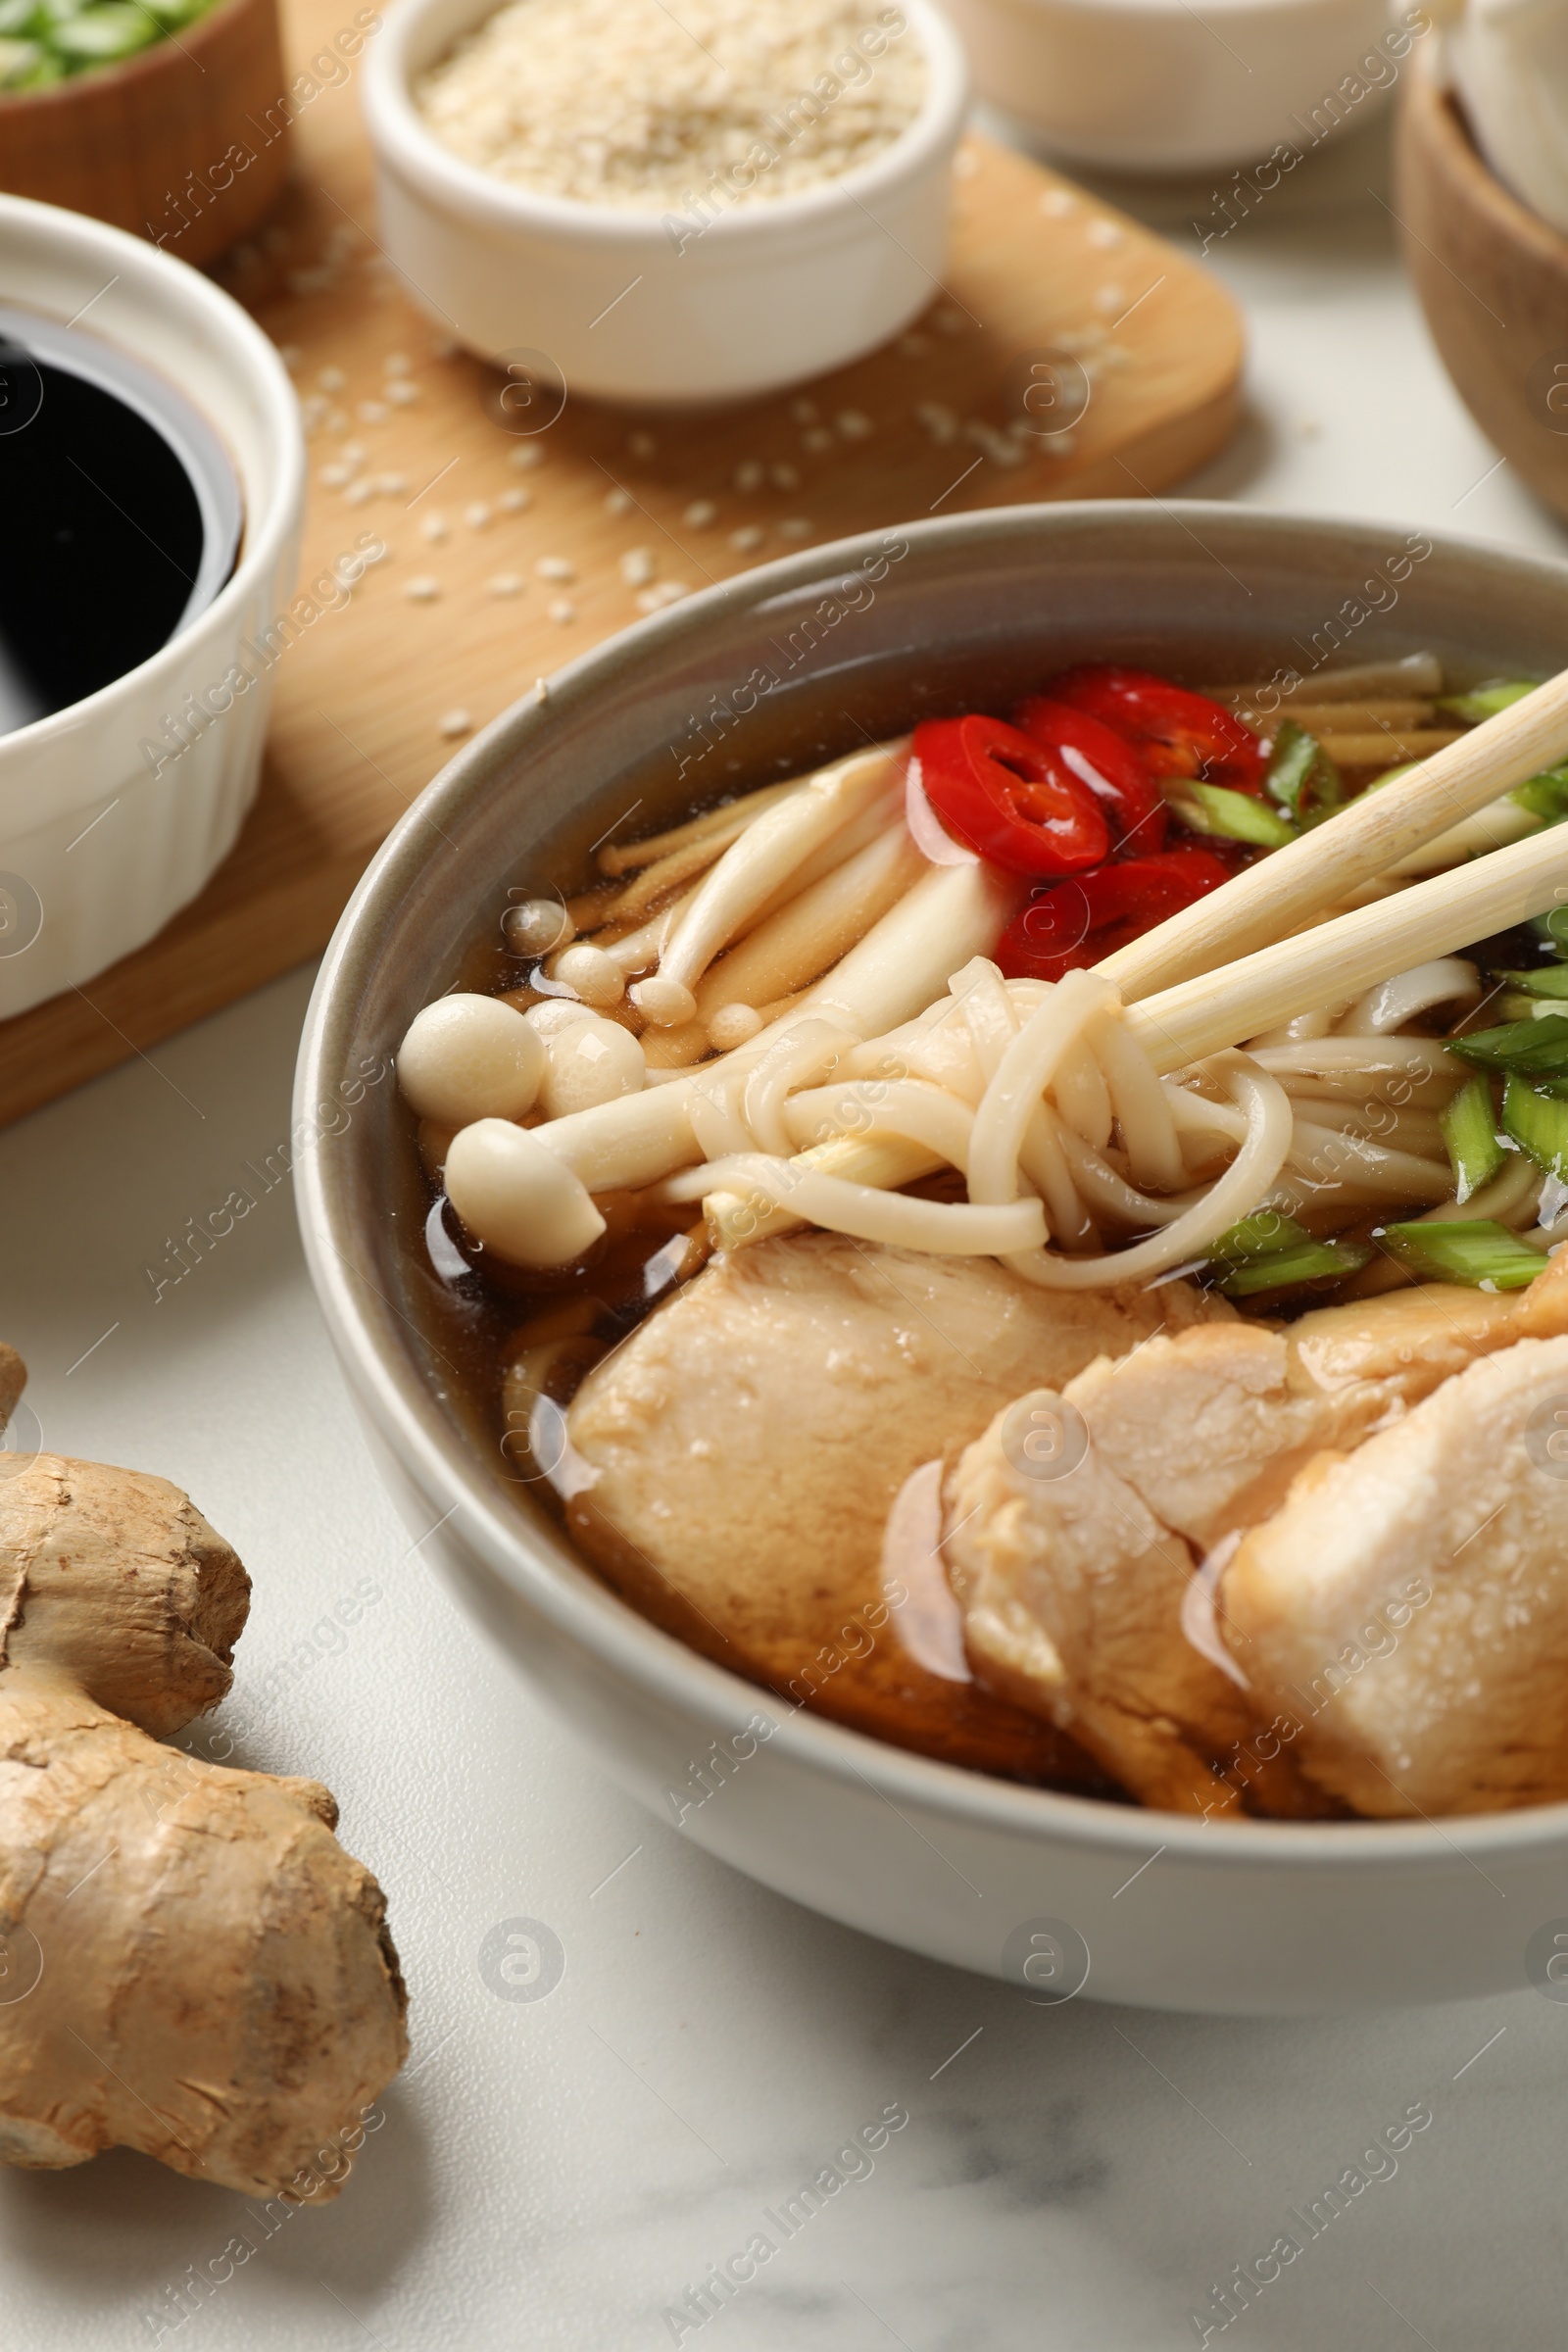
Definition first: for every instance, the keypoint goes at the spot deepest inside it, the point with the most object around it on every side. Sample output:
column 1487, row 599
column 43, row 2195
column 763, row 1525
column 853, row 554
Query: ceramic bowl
column 1492, row 278
column 1261, row 1917
column 186, row 142
column 1157, row 86
column 114, row 811
column 606, row 303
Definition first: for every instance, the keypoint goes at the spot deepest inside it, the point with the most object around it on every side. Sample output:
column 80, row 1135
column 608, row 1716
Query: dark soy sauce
column 118, row 516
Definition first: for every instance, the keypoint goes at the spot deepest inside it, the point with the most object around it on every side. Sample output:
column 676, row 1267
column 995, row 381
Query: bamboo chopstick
column 1351, row 952
column 1372, row 834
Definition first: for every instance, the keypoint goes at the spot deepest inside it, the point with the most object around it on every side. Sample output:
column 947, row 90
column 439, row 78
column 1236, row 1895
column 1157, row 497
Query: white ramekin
column 107, row 827
column 769, row 294
column 1154, row 85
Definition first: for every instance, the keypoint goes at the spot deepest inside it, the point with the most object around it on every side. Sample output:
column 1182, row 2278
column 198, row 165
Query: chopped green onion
column 1553, row 926
column 1535, row 1049
column 1481, row 1253
column 1268, row 1251
column 1539, row 1124
column 1547, row 980
column 1301, row 773
column 1544, row 796
column 1232, row 815
column 112, row 29
column 1484, row 702
column 1470, row 1131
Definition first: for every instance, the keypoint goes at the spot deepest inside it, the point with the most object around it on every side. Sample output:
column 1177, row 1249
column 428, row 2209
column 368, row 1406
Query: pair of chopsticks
column 1220, row 972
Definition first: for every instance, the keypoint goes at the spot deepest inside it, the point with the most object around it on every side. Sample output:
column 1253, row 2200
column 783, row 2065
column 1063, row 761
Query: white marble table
column 558, row 2173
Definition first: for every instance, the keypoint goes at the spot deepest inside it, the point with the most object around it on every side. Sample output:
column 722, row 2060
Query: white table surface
column 555, row 2173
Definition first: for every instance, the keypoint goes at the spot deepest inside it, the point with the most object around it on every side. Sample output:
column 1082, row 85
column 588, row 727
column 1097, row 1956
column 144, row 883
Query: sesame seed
column 563, row 608
column 374, row 411
column 661, row 593
column 400, row 392
column 699, row 513
column 353, row 452
column 555, row 567
column 434, row 528
column 745, row 539
column 423, row 590
column 938, row 422
column 357, row 492
column 391, row 485
column 331, row 379
column 333, row 478
column 512, row 502
column 1110, row 298
column 504, row 583
column 1058, row 203
column 854, row 425
column 1060, row 445
column 642, row 445
column 637, row 567
column 804, row 412
column 794, row 526
column 817, row 439
column 337, row 421
column 1104, row 234
column 619, row 502
column 455, row 722
column 396, row 363
column 289, row 353
column 476, row 517
column 749, row 476
column 784, row 477
column 527, row 453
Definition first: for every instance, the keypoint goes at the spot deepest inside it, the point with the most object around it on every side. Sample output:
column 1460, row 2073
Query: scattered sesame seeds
column 353, row 452
column 747, row 537
column 434, row 528
column 374, row 411
column 333, row 478
column 642, row 445
column 331, row 379
column 477, row 517
column 817, row 439
column 1060, row 445
column 391, row 485
column 562, row 610
column 1104, row 234
column 1110, row 298
column 749, row 474
column 854, row 425
column 998, row 445
column 422, row 590
column 514, row 502
column 396, row 363
column 699, row 513
column 661, row 593
column 357, row 492
column 400, row 392
column 556, row 568
column 637, row 567
column 804, row 412
column 784, row 477
column 291, row 355
column 455, row 722
column 619, row 502
column 794, row 526
column 504, row 583
column 939, row 420
column 1058, row 203
column 527, row 453
column 337, row 421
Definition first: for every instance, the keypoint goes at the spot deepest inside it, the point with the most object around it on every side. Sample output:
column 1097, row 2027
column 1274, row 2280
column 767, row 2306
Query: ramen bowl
column 794, row 662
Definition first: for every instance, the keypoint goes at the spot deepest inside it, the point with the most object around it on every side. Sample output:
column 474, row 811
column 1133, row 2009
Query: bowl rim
column 579, row 1608
column 267, row 526
column 403, row 143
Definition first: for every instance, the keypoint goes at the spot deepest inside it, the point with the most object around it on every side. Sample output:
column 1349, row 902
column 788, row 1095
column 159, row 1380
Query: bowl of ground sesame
column 639, row 208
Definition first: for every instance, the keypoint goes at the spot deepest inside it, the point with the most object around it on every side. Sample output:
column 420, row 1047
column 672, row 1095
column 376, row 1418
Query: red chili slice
column 1080, row 922
column 1010, row 800
column 1177, row 732
column 1112, row 767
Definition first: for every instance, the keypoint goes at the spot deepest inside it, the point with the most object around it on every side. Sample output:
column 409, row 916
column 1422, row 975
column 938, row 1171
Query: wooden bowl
column 186, row 143
column 1492, row 278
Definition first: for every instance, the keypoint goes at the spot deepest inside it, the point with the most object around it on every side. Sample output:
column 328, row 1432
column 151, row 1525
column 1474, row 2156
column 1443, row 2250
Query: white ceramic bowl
column 1156, row 86
column 770, row 294
column 106, row 826
column 1264, row 1917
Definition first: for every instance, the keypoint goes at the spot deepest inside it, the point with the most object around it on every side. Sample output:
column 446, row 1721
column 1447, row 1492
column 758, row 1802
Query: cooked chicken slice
column 1191, row 1439
column 1072, row 1593
column 1409, row 1606
column 745, row 1447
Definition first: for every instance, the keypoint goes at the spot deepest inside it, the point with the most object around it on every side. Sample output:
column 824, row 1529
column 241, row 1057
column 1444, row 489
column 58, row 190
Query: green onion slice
column 1535, row 1049
column 1232, row 815
column 1547, row 980
column 1470, row 1131
column 1480, row 1253
column 1484, row 702
column 1269, row 1250
column 1539, row 1124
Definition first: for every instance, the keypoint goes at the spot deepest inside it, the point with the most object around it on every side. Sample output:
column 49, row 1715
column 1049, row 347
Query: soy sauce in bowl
column 122, row 516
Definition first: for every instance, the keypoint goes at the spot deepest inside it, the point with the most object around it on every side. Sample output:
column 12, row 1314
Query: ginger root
column 190, row 1964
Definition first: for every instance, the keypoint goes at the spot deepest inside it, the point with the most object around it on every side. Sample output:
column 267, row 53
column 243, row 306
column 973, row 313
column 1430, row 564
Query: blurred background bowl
column 1492, row 278
column 1158, row 87
column 153, row 144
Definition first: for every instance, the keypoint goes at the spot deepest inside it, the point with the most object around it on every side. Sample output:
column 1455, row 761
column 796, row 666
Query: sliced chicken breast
column 741, row 1453
column 1408, row 1606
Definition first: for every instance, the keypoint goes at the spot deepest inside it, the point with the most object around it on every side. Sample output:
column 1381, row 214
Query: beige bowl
column 1160, row 1909
column 1492, row 278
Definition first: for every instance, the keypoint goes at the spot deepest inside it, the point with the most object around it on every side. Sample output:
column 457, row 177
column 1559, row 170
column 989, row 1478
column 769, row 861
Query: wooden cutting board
column 506, row 555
